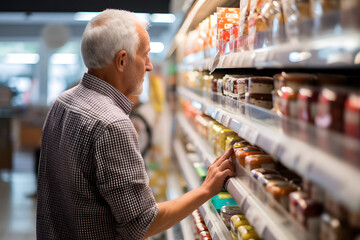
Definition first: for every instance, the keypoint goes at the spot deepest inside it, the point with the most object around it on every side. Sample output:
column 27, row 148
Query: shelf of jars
column 270, row 219
column 328, row 40
column 215, row 225
column 326, row 158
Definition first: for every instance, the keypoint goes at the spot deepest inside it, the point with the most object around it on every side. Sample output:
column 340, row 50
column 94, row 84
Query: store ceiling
column 153, row 6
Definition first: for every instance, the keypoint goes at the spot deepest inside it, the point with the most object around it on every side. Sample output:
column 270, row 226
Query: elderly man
column 92, row 180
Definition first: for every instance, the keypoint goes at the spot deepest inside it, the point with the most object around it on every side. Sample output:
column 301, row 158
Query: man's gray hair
column 108, row 33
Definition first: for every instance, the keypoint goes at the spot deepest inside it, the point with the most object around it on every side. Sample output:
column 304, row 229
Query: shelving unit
column 323, row 157
column 337, row 50
column 217, row 228
column 329, row 171
column 270, row 223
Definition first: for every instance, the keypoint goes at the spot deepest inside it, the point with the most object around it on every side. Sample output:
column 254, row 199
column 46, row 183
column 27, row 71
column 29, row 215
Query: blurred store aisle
column 17, row 206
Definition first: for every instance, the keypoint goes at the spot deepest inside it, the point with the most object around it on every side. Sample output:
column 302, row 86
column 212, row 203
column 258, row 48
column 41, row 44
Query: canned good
column 226, row 212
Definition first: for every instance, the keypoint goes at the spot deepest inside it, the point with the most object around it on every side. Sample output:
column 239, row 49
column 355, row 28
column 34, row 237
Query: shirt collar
column 102, row 87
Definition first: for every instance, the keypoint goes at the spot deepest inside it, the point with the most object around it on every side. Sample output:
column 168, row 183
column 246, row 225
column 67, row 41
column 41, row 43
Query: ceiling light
column 145, row 16
column 84, row 16
column 63, row 58
column 156, row 47
column 22, row 58
column 163, row 18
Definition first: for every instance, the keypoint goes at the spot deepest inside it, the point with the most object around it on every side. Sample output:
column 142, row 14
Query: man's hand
column 221, row 169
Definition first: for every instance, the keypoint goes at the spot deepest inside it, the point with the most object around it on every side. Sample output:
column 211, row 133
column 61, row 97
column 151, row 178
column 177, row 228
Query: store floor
column 17, row 203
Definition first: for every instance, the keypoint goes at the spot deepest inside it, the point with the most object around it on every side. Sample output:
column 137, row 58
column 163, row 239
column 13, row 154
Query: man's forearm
column 173, row 211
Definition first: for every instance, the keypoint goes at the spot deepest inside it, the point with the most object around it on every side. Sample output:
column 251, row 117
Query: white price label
column 278, row 150
column 260, row 58
column 219, row 116
column 226, row 120
column 221, row 62
column 243, row 131
column 252, row 136
column 213, row 232
column 206, row 219
column 248, row 59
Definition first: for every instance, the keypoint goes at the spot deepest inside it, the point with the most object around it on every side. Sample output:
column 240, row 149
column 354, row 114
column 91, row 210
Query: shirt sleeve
column 122, row 180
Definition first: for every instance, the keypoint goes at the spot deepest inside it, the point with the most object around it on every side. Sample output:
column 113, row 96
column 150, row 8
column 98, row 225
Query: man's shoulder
column 92, row 104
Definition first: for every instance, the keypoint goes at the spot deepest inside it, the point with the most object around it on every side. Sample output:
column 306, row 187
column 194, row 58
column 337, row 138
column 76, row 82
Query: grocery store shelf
column 335, row 44
column 326, row 52
column 215, row 225
column 270, row 222
column 320, row 156
column 217, row 228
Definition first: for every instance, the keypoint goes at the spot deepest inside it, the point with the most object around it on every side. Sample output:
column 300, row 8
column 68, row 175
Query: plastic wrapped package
column 259, row 99
column 272, row 14
column 255, row 23
column 239, row 144
column 241, row 153
column 243, row 26
column 259, row 161
column 295, row 12
column 260, row 85
column 319, row 10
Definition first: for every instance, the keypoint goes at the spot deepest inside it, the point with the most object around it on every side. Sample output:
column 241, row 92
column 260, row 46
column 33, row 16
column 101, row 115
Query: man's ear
column 121, row 60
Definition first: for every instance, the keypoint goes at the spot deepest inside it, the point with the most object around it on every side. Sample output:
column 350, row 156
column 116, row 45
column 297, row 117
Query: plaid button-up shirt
column 92, row 182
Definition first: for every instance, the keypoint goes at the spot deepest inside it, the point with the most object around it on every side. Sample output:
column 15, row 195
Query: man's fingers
column 227, row 164
column 226, row 155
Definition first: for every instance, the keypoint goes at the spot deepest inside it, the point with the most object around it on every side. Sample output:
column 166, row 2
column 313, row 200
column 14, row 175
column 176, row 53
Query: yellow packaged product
column 231, row 140
column 247, row 232
column 236, row 221
column 215, row 128
column 220, row 138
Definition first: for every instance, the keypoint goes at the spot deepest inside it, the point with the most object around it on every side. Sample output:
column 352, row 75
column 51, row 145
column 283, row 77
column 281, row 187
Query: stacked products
column 318, row 99
column 273, row 184
column 262, row 23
